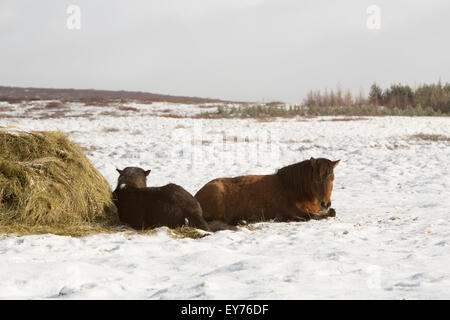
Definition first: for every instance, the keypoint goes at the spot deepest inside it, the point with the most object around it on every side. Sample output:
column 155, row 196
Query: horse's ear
column 313, row 162
column 147, row 172
column 119, row 171
column 335, row 163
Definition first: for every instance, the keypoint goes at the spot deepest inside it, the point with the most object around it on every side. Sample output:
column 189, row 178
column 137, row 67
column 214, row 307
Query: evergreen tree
column 375, row 95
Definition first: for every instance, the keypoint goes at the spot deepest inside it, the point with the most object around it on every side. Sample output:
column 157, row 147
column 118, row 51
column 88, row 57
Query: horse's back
column 228, row 199
column 211, row 198
column 168, row 205
column 182, row 205
column 189, row 204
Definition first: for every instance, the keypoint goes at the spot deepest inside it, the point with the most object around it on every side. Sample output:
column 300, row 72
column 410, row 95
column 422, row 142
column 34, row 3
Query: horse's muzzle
column 325, row 206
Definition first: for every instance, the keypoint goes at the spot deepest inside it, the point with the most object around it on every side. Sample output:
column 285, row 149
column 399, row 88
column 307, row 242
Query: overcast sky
column 253, row 50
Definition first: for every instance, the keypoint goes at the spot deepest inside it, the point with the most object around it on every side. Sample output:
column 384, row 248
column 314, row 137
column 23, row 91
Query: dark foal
column 144, row 207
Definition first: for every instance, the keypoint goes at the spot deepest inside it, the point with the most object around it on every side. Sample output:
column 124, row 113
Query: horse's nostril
column 325, row 205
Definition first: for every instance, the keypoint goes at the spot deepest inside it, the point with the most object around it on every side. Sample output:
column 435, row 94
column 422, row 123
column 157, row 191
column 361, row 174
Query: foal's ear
column 335, row 163
column 119, row 171
column 313, row 162
column 147, row 172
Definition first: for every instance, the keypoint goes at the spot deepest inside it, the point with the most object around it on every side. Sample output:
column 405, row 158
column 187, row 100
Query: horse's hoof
column 331, row 212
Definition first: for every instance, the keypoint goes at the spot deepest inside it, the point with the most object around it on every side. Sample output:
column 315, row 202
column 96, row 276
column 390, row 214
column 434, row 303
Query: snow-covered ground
column 390, row 238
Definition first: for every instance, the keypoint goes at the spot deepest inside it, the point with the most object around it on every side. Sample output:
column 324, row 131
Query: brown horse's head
column 310, row 179
column 132, row 177
column 322, row 180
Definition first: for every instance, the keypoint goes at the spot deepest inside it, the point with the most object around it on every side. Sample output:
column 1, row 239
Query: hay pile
column 47, row 185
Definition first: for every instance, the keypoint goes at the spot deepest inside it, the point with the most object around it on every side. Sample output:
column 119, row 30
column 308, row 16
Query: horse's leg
column 311, row 210
column 301, row 218
column 252, row 219
column 329, row 214
column 217, row 225
column 288, row 217
column 281, row 218
column 304, row 211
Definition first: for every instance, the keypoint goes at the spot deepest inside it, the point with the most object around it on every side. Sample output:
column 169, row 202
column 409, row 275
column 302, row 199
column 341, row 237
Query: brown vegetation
column 174, row 116
column 55, row 105
column 430, row 137
column 110, row 129
column 6, row 109
column 344, row 119
column 123, row 108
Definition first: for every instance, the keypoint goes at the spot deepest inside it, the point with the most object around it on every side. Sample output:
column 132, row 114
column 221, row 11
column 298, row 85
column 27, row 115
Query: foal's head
column 132, row 177
column 322, row 180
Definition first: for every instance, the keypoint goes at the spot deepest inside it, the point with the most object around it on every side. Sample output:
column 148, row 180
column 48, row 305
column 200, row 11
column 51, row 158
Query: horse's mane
column 298, row 179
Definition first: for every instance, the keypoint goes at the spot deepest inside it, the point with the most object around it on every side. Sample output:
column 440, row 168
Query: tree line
column 432, row 97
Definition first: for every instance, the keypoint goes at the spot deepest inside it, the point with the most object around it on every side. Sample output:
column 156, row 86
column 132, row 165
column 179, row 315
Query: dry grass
column 345, row 119
column 415, row 139
column 55, row 105
column 266, row 119
column 174, row 116
column 122, row 108
column 110, row 114
column 81, row 230
column 206, row 142
column 237, row 139
column 276, row 118
column 85, row 115
column 429, row 137
column 53, row 115
column 396, row 146
column 52, row 110
column 47, row 185
column 289, row 141
column 143, row 101
column 35, row 108
column 186, row 232
column 110, row 129
column 177, row 233
column 252, row 226
column 9, row 116
column 6, row 109
column 95, row 103
column 92, row 229
column 11, row 100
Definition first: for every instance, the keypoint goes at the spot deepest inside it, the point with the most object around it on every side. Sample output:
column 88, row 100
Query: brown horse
column 300, row 191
